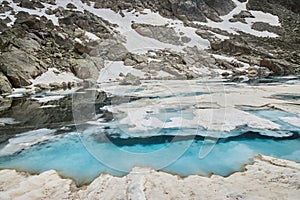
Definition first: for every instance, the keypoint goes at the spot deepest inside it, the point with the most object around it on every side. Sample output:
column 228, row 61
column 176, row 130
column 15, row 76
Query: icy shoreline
column 268, row 177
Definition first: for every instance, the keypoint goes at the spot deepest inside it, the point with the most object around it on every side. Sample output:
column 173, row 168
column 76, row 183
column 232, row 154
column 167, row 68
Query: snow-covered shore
column 266, row 178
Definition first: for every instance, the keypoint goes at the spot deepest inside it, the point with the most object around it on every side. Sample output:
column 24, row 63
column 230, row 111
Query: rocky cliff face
column 197, row 10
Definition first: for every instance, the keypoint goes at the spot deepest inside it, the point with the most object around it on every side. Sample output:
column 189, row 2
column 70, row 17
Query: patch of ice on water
column 295, row 121
column 25, row 140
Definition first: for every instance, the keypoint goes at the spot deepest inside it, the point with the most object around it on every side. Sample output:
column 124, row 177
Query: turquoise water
column 72, row 157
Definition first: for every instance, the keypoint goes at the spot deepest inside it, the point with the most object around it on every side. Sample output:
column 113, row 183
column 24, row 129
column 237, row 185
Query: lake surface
column 182, row 127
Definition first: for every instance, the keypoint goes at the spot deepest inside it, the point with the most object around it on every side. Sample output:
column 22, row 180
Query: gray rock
column 244, row 14
column 129, row 62
column 160, row 33
column 55, row 85
column 110, row 49
column 27, row 44
column 87, row 68
column 5, row 86
column 139, row 58
column 130, row 79
column 43, row 86
column 20, row 67
column 278, row 67
column 71, row 6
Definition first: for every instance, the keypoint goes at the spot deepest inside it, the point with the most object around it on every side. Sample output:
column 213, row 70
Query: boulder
column 110, row 49
column 43, row 86
column 5, row 86
column 87, row 68
column 71, row 6
column 20, row 67
column 130, row 79
column 26, row 44
column 277, row 66
column 160, row 33
column 244, row 14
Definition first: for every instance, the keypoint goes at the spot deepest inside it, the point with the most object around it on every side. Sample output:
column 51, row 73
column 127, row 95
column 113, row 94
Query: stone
column 110, row 49
column 82, row 49
column 43, row 86
column 160, row 33
column 130, row 79
column 279, row 68
column 139, row 58
column 55, row 85
column 129, row 62
column 5, row 86
column 20, row 67
column 244, row 14
column 87, row 68
column 71, row 6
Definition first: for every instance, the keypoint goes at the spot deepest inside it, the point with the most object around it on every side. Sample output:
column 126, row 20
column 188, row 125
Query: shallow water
column 154, row 127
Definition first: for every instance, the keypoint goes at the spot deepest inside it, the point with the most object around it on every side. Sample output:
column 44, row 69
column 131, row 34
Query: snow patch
column 112, row 70
column 54, row 75
column 234, row 27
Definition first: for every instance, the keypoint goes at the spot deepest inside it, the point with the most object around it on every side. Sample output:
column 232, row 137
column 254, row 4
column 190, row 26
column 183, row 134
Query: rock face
column 110, row 50
column 267, row 178
column 293, row 5
column 193, row 9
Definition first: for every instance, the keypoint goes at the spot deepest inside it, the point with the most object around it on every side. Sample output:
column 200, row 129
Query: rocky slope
column 267, row 177
column 38, row 35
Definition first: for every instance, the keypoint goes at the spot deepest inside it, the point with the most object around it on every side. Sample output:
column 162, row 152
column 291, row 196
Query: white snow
column 54, row 75
column 91, row 36
column 112, row 70
column 49, row 106
column 47, row 98
column 238, row 26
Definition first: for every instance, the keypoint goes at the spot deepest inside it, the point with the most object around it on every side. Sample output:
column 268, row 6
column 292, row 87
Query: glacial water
column 115, row 139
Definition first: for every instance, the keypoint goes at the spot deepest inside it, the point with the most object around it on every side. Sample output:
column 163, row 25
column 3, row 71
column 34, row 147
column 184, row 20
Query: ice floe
column 26, row 140
column 165, row 105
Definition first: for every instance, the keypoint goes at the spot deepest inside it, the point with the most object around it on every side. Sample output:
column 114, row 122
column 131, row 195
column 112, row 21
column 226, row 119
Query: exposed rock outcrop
column 160, row 33
column 5, row 86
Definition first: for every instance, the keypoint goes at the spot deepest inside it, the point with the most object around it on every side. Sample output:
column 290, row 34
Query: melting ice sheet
column 160, row 125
